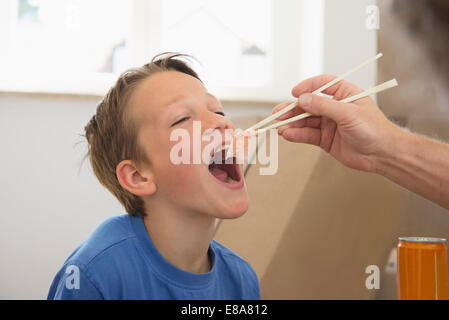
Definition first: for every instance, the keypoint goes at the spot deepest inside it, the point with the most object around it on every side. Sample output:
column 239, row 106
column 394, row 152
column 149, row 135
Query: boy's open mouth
column 228, row 173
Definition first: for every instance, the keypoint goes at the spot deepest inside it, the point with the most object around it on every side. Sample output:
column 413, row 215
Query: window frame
column 286, row 68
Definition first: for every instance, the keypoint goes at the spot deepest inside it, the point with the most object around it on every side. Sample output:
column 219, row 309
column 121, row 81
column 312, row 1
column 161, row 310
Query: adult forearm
column 418, row 164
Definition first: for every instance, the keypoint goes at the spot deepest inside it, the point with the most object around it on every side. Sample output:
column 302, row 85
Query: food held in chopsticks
column 239, row 146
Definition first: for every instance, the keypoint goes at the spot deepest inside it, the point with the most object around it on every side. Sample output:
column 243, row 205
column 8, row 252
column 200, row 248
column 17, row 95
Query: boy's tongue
column 218, row 173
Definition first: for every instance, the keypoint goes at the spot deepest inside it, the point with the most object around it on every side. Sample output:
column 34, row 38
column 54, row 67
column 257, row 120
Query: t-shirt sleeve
column 255, row 286
column 73, row 283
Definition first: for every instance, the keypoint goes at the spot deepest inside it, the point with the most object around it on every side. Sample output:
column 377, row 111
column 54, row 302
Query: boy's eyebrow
column 176, row 100
column 211, row 96
column 182, row 97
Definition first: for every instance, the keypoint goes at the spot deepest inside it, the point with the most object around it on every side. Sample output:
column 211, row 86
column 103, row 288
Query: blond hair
column 112, row 135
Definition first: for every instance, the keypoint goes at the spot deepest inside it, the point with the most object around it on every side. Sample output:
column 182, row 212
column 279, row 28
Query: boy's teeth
column 230, row 180
column 219, row 174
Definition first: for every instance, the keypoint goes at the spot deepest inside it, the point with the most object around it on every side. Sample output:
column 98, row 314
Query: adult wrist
column 396, row 144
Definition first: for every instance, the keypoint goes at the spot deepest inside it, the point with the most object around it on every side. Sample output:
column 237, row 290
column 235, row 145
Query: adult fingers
column 310, row 122
column 303, row 135
column 322, row 106
column 281, row 106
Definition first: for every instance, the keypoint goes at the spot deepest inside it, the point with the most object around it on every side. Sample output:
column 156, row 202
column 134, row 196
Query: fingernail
column 305, row 100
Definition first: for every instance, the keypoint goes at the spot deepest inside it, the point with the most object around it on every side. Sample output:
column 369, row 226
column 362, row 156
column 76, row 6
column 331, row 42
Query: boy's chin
column 233, row 211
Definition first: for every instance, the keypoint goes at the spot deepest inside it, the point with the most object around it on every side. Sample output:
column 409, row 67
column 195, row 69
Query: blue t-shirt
column 119, row 261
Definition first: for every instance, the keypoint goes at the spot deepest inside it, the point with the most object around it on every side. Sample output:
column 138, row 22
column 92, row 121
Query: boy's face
column 172, row 100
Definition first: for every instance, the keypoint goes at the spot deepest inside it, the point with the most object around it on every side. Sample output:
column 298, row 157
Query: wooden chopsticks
column 256, row 129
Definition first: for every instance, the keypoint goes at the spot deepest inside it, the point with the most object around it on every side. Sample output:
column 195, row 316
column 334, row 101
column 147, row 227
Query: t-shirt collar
column 167, row 270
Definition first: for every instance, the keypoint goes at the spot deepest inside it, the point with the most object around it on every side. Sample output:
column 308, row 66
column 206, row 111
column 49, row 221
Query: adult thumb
column 323, row 106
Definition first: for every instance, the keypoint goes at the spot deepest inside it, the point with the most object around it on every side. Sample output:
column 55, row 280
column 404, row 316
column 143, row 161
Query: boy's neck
column 182, row 238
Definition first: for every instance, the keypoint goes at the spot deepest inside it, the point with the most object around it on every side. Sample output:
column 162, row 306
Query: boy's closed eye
column 180, row 121
column 187, row 118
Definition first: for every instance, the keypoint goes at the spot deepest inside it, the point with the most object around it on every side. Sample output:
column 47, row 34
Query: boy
column 163, row 248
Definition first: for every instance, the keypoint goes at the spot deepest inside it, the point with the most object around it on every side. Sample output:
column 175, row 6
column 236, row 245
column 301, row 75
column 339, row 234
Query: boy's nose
column 219, row 122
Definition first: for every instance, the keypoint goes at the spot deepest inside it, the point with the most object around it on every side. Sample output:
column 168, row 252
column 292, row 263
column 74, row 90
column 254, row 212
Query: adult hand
column 353, row 133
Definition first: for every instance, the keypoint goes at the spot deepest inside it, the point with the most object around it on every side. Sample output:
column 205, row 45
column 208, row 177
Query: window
column 73, row 36
column 248, row 50
column 233, row 51
column 66, row 43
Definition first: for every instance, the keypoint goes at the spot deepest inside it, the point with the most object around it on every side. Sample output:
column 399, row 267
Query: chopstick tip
column 246, row 133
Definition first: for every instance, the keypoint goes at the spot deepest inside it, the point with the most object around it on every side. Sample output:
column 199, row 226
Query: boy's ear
column 140, row 183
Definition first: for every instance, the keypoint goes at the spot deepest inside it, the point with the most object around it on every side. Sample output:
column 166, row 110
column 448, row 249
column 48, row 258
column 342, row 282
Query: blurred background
column 314, row 227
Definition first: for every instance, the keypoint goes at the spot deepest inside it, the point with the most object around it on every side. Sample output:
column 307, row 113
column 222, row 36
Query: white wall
column 347, row 41
column 48, row 204
column 334, row 38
